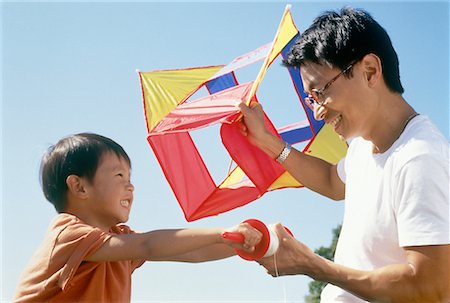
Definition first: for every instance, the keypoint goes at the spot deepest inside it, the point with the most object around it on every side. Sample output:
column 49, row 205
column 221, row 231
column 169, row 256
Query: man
column 394, row 243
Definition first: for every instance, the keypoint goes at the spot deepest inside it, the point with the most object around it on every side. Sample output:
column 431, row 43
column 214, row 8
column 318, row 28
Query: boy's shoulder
column 68, row 224
column 121, row 229
column 64, row 219
column 67, row 232
column 66, row 244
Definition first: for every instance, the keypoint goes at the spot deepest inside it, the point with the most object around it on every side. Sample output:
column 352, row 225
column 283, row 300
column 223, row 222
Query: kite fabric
column 171, row 116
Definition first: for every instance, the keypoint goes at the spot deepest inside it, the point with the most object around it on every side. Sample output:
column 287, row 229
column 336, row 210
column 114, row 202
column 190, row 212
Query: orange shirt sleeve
column 58, row 272
column 73, row 244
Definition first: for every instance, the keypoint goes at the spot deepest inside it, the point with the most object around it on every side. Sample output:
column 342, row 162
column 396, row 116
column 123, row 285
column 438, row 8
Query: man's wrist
column 270, row 144
column 284, row 153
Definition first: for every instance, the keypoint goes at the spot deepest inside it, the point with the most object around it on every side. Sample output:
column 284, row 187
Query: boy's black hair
column 79, row 155
column 340, row 39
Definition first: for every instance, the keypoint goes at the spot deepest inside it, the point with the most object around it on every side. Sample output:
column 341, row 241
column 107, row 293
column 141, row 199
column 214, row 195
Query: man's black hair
column 340, row 39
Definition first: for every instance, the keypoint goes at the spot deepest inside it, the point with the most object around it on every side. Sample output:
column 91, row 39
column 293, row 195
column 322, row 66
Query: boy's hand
column 251, row 237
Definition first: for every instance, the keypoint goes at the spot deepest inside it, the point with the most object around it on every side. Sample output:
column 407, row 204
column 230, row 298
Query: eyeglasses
column 317, row 95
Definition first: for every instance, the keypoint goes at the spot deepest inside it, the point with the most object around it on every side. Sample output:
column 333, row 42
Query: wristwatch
column 284, row 153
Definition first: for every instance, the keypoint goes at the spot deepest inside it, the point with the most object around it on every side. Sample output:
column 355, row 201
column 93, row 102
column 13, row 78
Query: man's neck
column 390, row 123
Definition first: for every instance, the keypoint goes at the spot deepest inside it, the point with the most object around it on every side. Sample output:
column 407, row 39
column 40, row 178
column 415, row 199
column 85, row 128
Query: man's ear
column 76, row 187
column 373, row 70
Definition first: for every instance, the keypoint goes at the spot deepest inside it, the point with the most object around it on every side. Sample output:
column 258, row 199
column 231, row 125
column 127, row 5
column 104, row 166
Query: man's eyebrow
column 312, row 85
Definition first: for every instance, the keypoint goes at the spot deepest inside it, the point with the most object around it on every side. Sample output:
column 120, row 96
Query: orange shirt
column 57, row 272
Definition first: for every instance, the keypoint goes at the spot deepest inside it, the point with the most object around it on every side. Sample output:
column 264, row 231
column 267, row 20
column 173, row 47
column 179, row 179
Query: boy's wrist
column 219, row 237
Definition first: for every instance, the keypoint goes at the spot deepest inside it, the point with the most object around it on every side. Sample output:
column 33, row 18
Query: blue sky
column 70, row 67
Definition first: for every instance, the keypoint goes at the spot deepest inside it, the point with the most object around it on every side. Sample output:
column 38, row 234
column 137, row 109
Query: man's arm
column 424, row 278
column 314, row 173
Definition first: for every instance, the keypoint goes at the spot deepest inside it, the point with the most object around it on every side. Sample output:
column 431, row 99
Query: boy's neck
column 89, row 218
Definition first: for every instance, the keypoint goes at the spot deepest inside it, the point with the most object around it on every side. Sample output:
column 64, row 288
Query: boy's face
column 110, row 192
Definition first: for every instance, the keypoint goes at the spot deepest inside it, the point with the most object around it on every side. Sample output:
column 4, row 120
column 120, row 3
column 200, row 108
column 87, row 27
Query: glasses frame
column 317, row 95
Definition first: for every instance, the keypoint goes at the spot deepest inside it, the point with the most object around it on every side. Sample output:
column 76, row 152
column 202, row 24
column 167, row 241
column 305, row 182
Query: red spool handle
column 234, row 236
column 261, row 248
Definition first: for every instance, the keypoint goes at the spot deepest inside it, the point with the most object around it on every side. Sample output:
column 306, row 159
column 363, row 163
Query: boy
column 87, row 254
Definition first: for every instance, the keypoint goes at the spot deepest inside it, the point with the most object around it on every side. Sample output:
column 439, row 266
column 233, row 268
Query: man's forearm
column 312, row 172
column 393, row 283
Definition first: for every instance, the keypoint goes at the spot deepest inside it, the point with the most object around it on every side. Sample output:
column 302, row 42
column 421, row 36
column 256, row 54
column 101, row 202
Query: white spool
column 274, row 242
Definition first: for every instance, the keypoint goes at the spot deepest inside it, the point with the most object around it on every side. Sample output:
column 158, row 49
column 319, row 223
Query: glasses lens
column 317, row 96
column 309, row 101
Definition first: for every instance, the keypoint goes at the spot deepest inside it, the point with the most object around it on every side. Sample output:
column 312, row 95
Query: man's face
column 340, row 96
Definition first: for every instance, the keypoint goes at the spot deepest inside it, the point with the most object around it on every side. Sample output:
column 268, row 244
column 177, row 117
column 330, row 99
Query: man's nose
column 319, row 112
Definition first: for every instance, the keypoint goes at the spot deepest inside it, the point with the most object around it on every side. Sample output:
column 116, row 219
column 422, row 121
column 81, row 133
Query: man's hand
column 424, row 277
column 292, row 256
column 252, row 124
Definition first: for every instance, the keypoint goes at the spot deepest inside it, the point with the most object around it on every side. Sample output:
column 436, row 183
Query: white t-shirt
column 392, row 200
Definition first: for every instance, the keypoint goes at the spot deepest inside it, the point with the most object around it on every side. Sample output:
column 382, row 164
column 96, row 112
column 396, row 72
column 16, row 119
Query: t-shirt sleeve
column 341, row 170
column 422, row 208
column 74, row 243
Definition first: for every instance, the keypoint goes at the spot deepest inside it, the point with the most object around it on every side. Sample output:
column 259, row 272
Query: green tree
column 316, row 287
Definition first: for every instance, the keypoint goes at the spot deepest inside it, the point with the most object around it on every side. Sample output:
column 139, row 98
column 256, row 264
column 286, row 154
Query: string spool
column 268, row 245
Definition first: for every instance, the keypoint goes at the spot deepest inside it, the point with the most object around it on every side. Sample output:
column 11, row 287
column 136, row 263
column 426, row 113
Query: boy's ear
column 75, row 184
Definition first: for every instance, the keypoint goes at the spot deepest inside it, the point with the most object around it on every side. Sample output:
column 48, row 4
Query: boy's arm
column 207, row 253
column 173, row 244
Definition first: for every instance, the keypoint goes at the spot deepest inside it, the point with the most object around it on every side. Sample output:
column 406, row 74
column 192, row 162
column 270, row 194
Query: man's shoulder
column 422, row 138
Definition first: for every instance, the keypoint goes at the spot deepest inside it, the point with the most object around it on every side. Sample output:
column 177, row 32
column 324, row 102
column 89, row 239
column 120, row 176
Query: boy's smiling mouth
column 125, row 203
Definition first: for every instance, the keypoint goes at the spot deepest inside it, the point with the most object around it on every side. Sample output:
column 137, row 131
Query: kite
column 171, row 115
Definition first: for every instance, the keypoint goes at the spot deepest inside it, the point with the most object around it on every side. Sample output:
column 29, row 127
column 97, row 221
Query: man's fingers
column 281, row 231
column 244, row 108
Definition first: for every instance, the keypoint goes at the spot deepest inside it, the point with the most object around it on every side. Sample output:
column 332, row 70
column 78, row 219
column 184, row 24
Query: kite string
column 278, row 275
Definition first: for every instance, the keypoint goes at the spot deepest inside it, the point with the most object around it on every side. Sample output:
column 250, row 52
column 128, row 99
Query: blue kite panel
column 221, row 83
column 298, row 84
column 297, row 135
